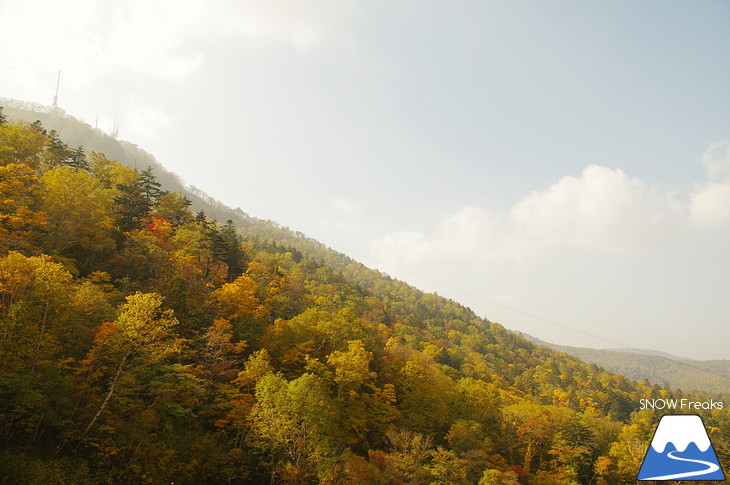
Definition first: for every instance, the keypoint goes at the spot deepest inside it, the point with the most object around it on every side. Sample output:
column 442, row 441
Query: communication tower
column 55, row 97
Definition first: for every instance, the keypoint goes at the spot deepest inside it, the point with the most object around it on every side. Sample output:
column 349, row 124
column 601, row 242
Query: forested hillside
column 80, row 134
column 142, row 342
column 662, row 369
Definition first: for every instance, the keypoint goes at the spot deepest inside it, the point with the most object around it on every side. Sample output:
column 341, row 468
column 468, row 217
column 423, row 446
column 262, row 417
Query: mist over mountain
column 146, row 342
column 655, row 367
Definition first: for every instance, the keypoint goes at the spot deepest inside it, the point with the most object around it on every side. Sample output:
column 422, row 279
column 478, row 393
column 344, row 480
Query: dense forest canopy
column 144, row 342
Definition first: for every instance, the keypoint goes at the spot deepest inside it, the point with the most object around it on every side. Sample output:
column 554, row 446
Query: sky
column 562, row 168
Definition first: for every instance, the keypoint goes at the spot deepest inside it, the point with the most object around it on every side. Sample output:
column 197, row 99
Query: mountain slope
column 77, row 133
column 657, row 368
column 140, row 343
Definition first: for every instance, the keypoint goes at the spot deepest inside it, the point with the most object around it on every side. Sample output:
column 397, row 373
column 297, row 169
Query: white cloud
column 716, row 160
column 88, row 40
column 166, row 39
column 302, row 25
column 603, row 210
column 710, row 203
column 38, row 38
column 471, row 233
column 144, row 122
column 342, row 216
column 153, row 38
column 343, row 206
column 405, row 246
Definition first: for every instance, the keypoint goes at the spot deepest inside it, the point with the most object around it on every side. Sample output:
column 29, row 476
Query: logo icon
column 681, row 450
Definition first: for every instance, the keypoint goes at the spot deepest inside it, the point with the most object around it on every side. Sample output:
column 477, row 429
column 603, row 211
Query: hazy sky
column 569, row 160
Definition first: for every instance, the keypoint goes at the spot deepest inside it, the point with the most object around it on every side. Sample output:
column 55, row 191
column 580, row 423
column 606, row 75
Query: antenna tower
column 58, row 83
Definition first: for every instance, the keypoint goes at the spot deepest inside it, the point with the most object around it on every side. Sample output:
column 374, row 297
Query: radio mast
column 58, row 83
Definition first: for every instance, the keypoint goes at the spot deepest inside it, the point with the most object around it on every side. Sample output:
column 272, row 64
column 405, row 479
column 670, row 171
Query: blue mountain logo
column 681, row 450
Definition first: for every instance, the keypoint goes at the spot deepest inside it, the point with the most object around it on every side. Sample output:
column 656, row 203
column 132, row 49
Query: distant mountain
column 653, row 352
column 655, row 367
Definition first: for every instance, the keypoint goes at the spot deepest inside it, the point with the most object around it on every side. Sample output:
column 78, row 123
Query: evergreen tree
column 150, row 187
column 354, row 377
column 136, row 200
column 230, row 250
column 57, row 152
column 77, row 159
column 132, row 206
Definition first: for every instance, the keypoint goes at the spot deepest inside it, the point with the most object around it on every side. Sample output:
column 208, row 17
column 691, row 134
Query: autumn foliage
column 141, row 343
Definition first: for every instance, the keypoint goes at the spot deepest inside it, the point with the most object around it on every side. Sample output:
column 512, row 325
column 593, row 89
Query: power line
column 491, row 302
column 623, row 345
